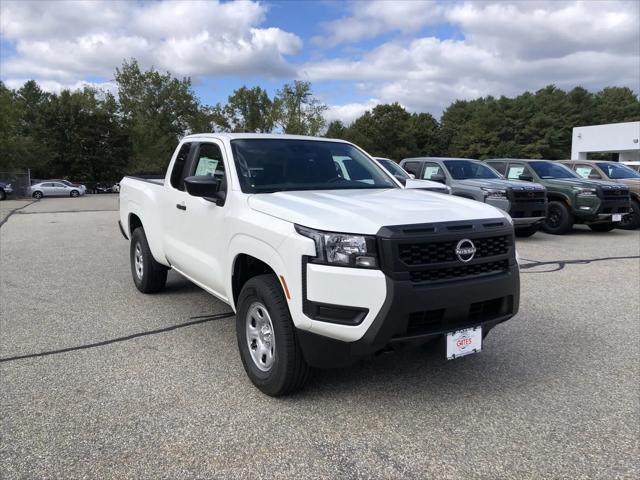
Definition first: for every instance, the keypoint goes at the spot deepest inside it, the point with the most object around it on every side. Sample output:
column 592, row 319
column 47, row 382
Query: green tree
column 384, row 131
column 336, row 129
column 249, row 110
column 158, row 110
column 297, row 111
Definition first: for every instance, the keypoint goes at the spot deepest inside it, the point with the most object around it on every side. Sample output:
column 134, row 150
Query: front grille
column 460, row 272
column 437, row 252
column 528, row 195
column 618, row 195
column 426, row 253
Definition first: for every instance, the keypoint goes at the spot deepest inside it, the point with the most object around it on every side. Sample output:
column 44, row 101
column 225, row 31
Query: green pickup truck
column 572, row 199
column 615, row 172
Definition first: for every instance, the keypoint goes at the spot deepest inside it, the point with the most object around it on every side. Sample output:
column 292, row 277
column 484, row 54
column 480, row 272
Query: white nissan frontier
column 322, row 254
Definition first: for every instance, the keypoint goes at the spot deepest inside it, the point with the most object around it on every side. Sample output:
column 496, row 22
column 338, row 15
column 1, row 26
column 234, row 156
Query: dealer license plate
column 616, row 217
column 464, row 342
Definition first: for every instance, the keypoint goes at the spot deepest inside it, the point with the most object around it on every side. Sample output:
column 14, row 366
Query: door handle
column 181, row 207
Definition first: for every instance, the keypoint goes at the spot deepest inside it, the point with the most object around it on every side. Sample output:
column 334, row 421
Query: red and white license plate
column 464, row 342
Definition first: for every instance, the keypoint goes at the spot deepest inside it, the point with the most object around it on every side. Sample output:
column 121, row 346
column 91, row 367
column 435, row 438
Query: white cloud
column 64, row 41
column 347, row 113
column 372, row 18
column 507, row 48
column 56, row 87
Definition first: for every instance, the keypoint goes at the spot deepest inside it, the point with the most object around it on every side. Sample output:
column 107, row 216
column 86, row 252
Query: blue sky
column 421, row 53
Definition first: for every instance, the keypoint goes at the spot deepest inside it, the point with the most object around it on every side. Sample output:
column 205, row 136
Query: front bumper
column 413, row 315
column 355, row 312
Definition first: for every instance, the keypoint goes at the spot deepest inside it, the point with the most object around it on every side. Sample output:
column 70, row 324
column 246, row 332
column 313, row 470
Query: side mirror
column 209, row 188
column 412, row 176
column 437, row 178
column 401, row 179
column 525, row 177
column 594, row 176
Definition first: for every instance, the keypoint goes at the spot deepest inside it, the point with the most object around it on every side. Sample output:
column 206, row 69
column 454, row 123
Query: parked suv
column 572, row 199
column 525, row 202
column 616, row 172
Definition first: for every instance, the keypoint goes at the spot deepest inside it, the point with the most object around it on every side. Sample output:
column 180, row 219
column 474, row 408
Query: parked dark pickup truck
column 572, row 199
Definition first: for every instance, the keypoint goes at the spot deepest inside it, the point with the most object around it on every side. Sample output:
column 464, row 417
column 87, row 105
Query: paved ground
column 554, row 394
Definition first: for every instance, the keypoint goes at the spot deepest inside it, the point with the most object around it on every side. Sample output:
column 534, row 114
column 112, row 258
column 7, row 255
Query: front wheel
column 527, row 231
column 74, row 193
column 3, row 194
column 559, row 219
column 603, row 227
column 631, row 221
column 37, row 195
column 267, row 341
column 149, row 276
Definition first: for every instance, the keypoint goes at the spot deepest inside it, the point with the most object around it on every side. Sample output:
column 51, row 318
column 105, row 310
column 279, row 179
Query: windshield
column 465, row 169
column 616, row 172
column 393, row 168
column 552, row 170
column 281, row 165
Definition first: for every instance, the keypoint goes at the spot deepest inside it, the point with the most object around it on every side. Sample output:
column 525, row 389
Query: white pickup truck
column 323, row 263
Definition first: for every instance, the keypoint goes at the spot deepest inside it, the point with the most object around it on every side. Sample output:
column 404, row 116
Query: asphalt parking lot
column 554, row 394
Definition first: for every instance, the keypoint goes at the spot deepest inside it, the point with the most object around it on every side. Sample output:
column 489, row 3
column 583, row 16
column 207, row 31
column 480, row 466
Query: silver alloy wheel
column 138, row 261
column 260, row 336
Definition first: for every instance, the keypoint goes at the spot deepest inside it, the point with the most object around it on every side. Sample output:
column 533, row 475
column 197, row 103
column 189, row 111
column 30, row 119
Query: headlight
column 585, row 192
column 494, row 192
column 342, row 249
column 508, row 217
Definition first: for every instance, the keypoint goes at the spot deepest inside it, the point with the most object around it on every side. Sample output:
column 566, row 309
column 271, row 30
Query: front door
column 203, row 227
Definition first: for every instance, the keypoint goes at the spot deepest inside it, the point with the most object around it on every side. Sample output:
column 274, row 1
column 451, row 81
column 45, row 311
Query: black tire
column 631, row 221
column 3, row 194
column 74, row 193
column 559, row 219
column 603, row 227
column 288, row 371
column 37, row 195
column 149, row 276
column 524, row 232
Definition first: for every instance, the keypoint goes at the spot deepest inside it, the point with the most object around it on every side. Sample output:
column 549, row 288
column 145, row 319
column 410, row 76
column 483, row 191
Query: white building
column 620, row 138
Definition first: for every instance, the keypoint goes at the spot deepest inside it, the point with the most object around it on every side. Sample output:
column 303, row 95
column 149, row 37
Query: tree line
column 91, row 135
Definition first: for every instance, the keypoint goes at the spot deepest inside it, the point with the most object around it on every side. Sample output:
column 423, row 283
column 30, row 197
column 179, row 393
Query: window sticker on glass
column 206, row 167
column 515, row 172
column 430, row 171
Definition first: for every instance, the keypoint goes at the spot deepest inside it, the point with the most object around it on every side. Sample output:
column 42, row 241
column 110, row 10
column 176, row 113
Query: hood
column 500, row 183
column 583, row 182
column 366, row 211
column 632, row 183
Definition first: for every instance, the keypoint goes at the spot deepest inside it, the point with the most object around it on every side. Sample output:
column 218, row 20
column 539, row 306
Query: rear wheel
column 527, row 231
column 3, row 194
column 559, row 219
column 37, row 194
column 603, row 227
column 149, row 276
column 267, row 340
column 631, row 221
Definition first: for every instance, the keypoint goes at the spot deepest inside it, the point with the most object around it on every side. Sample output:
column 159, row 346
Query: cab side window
column 431, row 170
column 413, row 167
column 586, row 171
column 208, row 162
column 501, row 167
column 177, row 174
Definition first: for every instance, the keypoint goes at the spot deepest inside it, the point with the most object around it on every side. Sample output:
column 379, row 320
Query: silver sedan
column 55, row 189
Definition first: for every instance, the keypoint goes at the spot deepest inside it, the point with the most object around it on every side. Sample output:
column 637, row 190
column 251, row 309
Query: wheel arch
column 250, row 257
column 559, row 197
